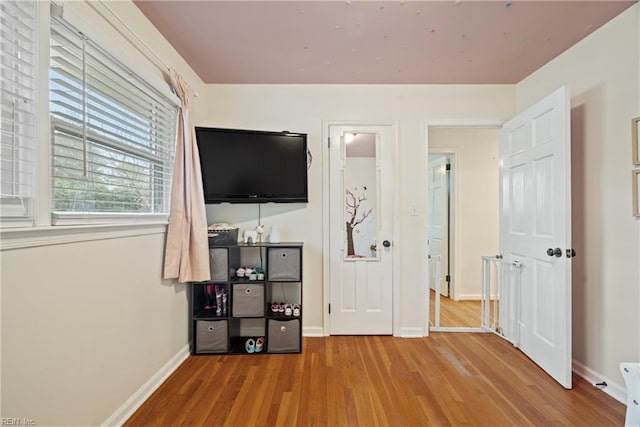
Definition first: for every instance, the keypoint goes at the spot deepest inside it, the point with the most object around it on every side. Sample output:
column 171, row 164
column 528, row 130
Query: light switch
column 413, row 210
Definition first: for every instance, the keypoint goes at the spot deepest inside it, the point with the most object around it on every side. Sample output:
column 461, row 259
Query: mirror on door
column 360, row 196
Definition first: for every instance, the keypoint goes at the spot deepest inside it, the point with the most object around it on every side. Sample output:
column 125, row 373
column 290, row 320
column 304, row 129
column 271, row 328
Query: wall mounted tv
column 249, row 166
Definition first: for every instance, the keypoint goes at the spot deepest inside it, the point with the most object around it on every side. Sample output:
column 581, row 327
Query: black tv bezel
column 257, row 198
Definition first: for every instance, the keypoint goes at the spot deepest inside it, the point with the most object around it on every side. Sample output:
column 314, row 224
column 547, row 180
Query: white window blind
column 113, row 135
column 17, row 107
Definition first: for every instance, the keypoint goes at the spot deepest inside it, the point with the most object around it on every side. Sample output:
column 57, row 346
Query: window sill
column 18, row 238
column 96, row 218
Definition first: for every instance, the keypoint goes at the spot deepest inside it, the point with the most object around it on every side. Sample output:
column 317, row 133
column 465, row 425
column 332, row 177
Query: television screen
column 247, row 166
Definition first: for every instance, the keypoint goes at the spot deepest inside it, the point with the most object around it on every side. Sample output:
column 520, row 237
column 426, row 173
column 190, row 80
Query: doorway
column 534, row 190
column 462, row 220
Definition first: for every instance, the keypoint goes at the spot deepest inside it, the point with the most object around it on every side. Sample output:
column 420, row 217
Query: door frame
column 478, row 123
column 326, row 213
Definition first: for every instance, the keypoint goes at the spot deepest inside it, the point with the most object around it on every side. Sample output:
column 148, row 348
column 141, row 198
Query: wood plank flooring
column 464, row 313
column 446, row 379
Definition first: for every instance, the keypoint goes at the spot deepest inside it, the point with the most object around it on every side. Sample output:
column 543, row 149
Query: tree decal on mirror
column 352, row 204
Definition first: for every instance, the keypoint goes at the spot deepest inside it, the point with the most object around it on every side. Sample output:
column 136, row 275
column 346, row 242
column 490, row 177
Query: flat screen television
column 250, row 166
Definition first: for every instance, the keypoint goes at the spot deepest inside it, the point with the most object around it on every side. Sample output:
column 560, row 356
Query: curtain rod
column 138, row 38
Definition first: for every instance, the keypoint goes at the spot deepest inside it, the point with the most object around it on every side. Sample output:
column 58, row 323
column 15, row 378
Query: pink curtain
column 187, row 249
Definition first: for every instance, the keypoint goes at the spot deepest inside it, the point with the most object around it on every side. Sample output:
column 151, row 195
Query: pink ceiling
column 366, row 41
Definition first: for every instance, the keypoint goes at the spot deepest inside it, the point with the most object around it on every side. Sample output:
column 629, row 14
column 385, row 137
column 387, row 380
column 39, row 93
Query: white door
column 438, row 224
column 361, row 226
column 535, row 228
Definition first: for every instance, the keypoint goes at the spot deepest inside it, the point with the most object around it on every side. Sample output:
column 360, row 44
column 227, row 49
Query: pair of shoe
column 292, row 310
column 278, row 307
column 286, row 309
column 256, row 346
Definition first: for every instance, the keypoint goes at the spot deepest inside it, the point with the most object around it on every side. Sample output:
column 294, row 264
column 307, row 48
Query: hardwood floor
column 455, row 313
column 445, row 379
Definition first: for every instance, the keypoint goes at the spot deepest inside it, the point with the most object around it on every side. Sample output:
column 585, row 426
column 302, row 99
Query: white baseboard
column 318, row 331
column 457, row 329
column 470, row 297
column 412, row 333
column 312, row 331
column 122, row 414
column 613, row 389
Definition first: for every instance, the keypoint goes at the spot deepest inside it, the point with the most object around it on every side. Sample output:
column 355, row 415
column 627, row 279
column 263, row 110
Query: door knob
column 386, row 243
column 554, row 252
column 571, row 253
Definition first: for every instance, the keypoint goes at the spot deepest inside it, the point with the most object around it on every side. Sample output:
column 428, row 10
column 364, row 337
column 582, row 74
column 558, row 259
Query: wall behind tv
column 304, row 108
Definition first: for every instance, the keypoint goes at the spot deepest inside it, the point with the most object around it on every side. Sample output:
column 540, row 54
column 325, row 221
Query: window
column 17, row 109
column 113, row 135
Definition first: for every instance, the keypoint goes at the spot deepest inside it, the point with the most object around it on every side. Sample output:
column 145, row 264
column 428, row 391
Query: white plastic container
column 274, row 235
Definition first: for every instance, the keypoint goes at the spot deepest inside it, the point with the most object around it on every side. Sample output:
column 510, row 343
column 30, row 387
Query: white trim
column 426, row 285
column 326, row 250
column 412, row 333
column 313, row 331
column 18, row 238
column 78, row 218
column 9, row 222
column 15, row 211
column 469, row 297
column 396, row 211
column 465, row 123
column 613, row 389
column 458, row 329
column 122, row 414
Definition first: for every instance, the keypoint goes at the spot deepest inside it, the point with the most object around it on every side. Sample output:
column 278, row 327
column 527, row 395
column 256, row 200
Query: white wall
column 603, row 74
column 475, row 201
column 304, row 108
column 86, row 323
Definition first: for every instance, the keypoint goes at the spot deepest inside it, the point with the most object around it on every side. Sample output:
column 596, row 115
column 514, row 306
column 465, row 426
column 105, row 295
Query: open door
column 535, row 228
column 438, row 225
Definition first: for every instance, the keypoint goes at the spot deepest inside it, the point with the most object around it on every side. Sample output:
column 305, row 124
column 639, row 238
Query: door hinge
column 447, row 278
column 329, row 142
column 329, row 308
column 448, row 166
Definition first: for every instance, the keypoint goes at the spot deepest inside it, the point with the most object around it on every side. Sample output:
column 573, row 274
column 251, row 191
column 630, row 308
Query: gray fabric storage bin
column 248, row 300
column 212, row 336
column 219, row 264
column 284, row 336
column 284, row 264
